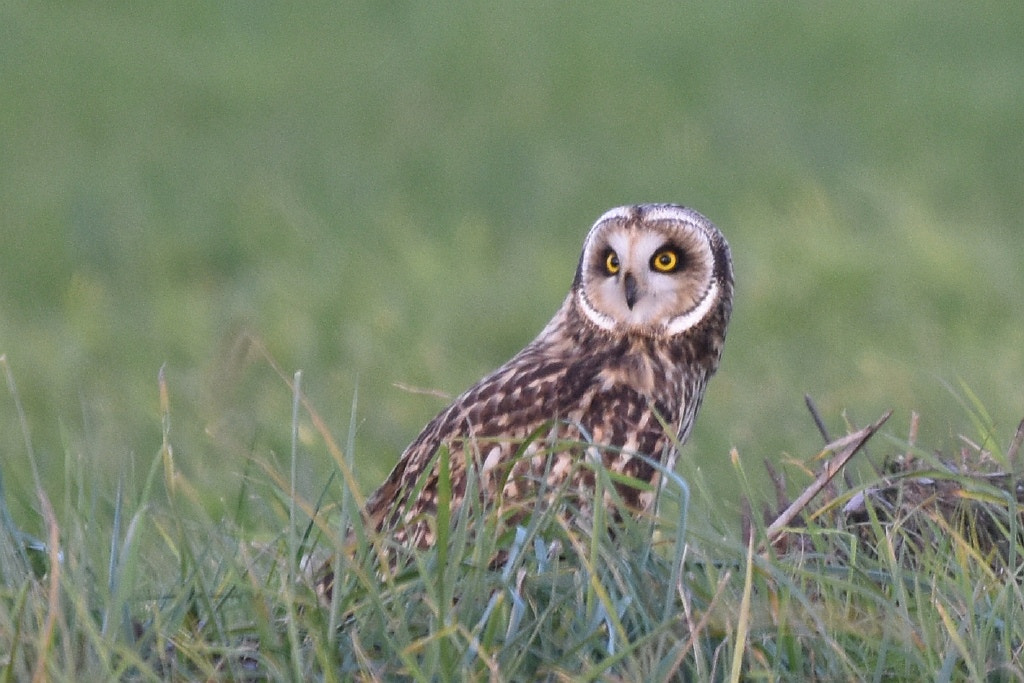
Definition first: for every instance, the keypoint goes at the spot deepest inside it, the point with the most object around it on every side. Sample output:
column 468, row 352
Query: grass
column 861, row 585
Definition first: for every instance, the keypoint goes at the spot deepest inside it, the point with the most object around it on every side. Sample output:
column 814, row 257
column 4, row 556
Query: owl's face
column 654, row 270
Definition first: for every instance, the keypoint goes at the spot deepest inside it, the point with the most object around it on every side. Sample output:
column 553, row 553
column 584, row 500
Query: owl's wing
column 530, row 391
column 510, row 403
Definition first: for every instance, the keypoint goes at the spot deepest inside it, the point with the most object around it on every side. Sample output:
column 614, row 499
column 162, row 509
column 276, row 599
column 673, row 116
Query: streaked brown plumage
column 641, row 330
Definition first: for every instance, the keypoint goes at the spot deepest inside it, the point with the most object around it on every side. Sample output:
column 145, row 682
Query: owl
column 630, row 350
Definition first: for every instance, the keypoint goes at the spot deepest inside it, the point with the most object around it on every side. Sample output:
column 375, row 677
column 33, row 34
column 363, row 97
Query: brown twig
column 816, row 416
column 843, row 448
column 779, row 482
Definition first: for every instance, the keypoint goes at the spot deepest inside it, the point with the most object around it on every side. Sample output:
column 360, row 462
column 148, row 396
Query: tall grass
column 162, row 590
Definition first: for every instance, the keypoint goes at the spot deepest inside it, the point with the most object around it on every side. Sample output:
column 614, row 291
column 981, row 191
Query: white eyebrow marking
column 677, row 213
column 617, row 212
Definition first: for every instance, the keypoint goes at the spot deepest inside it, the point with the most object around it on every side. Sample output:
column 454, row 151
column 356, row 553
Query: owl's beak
column 632, row 293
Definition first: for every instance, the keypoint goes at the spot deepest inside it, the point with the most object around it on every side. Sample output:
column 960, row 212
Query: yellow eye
column 611, row 263
column 665, row 261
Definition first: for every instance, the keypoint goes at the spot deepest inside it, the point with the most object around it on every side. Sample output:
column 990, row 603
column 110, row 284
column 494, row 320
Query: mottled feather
column 630, row 340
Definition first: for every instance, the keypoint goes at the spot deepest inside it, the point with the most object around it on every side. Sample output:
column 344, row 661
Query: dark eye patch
column 609, row 263
column 668, row 259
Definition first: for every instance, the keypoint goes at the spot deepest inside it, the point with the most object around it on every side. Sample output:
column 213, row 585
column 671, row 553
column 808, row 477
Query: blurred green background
column 395, row 193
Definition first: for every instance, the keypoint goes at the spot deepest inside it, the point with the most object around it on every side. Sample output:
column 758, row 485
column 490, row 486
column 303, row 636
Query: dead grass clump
column 918, row 503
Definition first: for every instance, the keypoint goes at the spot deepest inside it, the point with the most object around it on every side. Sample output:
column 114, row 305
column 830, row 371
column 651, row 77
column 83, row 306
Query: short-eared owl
column 631, row 348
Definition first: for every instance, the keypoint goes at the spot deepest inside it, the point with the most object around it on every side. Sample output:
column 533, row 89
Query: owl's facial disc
column 652, row 277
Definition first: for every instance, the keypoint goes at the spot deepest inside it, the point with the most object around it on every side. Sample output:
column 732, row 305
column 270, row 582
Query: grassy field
column 387, row 195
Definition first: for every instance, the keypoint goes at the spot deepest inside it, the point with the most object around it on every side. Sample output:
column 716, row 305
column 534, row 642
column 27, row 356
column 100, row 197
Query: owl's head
column 656, row 270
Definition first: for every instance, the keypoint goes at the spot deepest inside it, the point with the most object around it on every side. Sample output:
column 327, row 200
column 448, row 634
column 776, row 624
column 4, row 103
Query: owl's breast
column 634, row 373
column 636, row 366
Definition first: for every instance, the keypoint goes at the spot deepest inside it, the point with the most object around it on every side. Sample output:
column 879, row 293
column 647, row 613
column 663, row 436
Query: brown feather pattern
column 590, row 383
